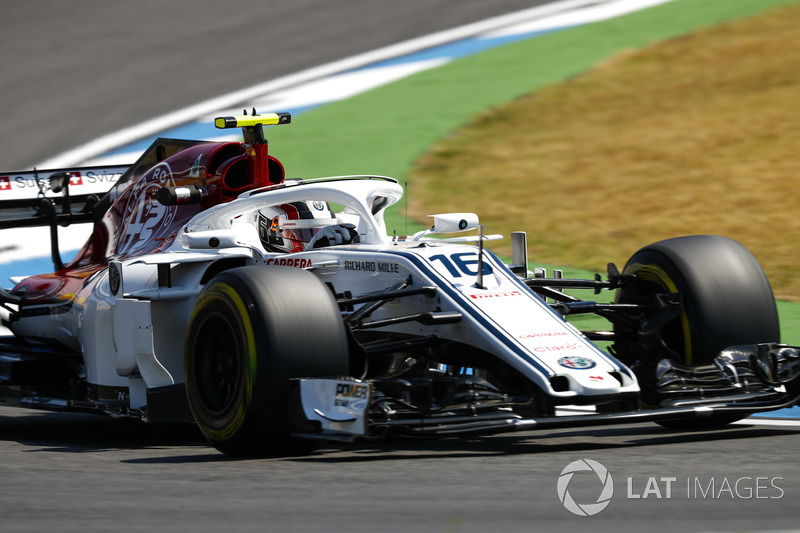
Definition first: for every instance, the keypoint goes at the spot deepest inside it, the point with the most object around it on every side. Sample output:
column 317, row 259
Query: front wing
column 766, row 376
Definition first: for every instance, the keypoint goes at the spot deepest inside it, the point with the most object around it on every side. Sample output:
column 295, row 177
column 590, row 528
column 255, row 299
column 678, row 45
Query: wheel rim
column 218, row 365
column 676, row 334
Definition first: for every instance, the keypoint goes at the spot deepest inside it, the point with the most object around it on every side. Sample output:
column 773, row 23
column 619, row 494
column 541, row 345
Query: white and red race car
column 273, row 313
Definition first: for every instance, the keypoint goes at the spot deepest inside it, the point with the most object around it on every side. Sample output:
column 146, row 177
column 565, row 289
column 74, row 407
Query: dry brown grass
column 691, row 136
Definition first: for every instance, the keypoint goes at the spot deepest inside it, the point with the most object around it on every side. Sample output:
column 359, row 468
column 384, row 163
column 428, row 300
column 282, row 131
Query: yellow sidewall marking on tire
column 657, row 274
column 251, row 368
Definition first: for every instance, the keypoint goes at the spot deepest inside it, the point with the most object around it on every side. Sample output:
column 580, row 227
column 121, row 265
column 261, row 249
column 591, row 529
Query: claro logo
column 558, row 348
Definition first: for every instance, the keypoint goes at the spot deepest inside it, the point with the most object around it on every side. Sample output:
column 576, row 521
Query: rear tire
column 251, row 330
column 726, row 300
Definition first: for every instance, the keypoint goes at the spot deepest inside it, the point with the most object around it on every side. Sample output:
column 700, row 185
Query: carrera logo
column 495, row 295
column 545, row 334
column 5, row 183
column 290, row 262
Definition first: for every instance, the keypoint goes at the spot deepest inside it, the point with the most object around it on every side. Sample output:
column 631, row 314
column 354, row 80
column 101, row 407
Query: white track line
column 785, row 422
column 182, row 116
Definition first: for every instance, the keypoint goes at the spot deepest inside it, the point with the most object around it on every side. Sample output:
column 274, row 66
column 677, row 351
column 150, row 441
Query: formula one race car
column 274, row 313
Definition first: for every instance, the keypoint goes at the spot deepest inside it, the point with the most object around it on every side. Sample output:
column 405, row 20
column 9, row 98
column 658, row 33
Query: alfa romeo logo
column 580, row 363
column 586, row 509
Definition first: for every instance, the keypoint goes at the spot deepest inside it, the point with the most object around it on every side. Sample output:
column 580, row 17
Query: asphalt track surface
column 73, row 71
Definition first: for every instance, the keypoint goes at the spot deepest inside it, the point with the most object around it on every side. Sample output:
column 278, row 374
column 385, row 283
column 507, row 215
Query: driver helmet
column 289, row 227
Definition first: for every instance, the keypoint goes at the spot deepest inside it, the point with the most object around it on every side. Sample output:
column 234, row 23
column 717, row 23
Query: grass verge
column 693, row 135
column 385, row 130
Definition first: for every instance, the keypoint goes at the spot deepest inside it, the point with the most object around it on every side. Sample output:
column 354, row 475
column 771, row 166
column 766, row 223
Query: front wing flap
column 349, row 409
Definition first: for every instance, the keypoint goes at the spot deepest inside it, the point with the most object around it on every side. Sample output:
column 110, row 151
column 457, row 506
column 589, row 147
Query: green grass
column 693, row 135
column 386, row 130
column 383, row 131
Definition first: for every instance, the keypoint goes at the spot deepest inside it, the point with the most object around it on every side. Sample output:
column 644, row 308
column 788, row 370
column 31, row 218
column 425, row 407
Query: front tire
column 726, row 300
column 251, row 330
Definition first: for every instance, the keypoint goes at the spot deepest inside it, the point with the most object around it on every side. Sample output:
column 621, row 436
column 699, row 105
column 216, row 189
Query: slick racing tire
column 726, row 300
column 251, row 330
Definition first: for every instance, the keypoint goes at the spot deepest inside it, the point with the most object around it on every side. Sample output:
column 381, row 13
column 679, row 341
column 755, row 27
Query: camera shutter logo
column 587, row 509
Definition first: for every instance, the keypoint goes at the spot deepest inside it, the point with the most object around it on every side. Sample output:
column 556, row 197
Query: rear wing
column 33, row 184
column 77, row 194
column 60, row 197
column 24, row 196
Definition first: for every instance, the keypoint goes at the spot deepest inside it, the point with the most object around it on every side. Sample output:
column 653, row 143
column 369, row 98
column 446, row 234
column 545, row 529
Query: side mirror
column 209, row 240
column 454, row 222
